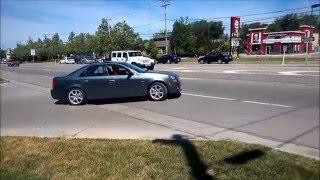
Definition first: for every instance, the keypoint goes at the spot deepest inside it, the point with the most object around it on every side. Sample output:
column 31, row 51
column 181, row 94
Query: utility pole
column 108, row 20
column 165, row 4
column 314, row 6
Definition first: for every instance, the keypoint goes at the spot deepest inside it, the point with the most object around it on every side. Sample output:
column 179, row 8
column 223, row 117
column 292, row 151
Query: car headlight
column 173, row 78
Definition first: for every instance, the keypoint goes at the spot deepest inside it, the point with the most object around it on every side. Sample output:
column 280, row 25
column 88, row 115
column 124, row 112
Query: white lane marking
column 211, row 97
column 269, row 104
column 297, row 73
column 231, row 99
column 186, row 78
column 230, row 71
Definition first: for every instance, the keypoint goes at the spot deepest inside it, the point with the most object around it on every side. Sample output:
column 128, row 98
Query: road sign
column 308, row 39
column 32, row 52
column 235, row 42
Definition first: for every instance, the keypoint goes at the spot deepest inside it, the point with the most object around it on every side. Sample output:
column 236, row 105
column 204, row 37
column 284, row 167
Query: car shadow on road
column 117, row 100
column 198, row 167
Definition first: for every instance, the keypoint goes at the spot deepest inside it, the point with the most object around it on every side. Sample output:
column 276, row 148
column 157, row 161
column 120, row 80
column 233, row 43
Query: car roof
column 109, row 62
column 126, row 51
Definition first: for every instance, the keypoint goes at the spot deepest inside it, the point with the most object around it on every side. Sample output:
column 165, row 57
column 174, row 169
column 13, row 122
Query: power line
column 247, row 15
column 275, row 17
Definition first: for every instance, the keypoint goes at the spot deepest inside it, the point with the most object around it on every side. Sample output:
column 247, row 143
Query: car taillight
column 54, row 81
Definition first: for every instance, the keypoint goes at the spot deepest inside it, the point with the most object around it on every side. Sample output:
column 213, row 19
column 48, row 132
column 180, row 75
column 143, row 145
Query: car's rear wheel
column 201, row 61
column 75, row 96
column 158, row 91
column 227, row 62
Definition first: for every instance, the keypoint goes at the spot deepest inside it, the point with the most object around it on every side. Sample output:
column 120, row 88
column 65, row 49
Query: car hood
column 141, row 58
column 163, row 72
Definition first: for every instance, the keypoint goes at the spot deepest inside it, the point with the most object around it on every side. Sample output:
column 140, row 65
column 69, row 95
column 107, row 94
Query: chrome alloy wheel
column 75, row 96
column 156, row 92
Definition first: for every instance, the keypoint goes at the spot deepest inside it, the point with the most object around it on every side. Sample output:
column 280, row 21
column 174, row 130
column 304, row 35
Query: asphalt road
column 277, row 103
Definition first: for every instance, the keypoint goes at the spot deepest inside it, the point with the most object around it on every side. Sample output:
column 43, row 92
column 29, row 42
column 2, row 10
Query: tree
column 293, row 21
column 182, row 39
column 152, row 49
column 2, row 53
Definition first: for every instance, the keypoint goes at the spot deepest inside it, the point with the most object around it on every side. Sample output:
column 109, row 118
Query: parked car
column 86, row 60
column 13, row 63
column 133, row 57
column 217, row 57
column 67, row 60
column 168, row 59
column 114, row 80
column 3, row 61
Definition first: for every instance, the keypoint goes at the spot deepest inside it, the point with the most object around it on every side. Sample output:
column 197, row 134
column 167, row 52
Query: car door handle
column 112, row 81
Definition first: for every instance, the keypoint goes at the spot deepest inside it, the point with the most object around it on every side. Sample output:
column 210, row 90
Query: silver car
column 114, row 80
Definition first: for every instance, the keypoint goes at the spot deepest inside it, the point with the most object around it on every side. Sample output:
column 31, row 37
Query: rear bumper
column 57, row 94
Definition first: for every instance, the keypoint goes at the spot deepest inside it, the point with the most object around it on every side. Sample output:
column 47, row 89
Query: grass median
column 2, row 80
column 179, row 158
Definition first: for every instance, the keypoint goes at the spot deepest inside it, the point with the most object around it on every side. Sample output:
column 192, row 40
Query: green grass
column 59, row 158
column 2, row 80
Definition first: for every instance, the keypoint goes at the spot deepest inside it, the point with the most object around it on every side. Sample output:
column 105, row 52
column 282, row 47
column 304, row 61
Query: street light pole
column 166, row 3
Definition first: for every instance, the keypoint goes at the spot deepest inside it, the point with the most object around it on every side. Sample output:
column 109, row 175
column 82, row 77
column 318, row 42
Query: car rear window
column 97, row 70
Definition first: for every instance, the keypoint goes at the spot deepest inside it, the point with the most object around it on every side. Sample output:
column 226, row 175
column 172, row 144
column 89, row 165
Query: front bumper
column 175, row 86
column 145, row 65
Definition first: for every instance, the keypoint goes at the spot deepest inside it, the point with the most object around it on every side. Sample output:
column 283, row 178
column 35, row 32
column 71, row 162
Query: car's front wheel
column 219, row 61
column 158, row 91
column 150, row 68
column 75, row 96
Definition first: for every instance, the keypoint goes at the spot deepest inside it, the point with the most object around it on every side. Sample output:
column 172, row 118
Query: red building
column 260, row 42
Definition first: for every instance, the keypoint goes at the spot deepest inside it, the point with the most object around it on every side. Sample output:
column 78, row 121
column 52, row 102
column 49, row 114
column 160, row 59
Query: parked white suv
column 133, row 57
column 67, row 60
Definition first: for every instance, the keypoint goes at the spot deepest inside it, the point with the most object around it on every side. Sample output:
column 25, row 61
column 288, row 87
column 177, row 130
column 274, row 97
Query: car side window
column 119, row 55
column 115, row 69
column 94, row 71
column 114, row 54
column 125, row 55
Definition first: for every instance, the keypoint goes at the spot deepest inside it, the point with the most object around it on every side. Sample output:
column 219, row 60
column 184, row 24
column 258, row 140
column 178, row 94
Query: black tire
column 151, row 68
column 72, row 102
column 162, row 92
column 219, row 61
column 227, row 62
column 201, row 61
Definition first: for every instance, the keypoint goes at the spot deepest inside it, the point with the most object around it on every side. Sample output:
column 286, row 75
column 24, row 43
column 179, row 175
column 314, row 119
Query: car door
column 125, row 82
column 96, row 83
column 213, row 57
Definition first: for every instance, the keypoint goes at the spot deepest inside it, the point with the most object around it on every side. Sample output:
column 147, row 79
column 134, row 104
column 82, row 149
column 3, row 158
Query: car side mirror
column 130, row 74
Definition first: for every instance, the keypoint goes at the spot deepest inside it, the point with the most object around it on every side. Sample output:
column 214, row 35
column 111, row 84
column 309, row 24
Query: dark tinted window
column 125, row 55
column 119, row 55
column 97, row 70
column 115, row 69
column 114, row 54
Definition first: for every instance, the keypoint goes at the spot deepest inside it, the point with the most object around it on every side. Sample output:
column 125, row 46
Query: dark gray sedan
column 114, row 80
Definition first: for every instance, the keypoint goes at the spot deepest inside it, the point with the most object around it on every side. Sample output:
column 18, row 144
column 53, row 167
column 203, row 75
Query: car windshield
column 136, row 53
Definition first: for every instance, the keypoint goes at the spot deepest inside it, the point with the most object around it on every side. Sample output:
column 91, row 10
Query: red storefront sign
column 235, row 27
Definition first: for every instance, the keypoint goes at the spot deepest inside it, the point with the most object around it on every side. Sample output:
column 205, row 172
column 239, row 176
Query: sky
column 23, row 19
